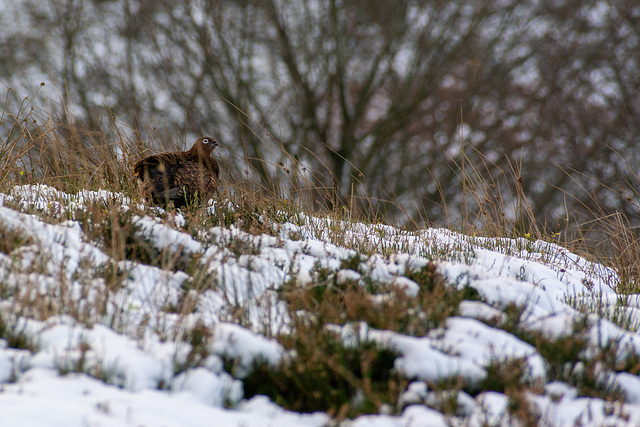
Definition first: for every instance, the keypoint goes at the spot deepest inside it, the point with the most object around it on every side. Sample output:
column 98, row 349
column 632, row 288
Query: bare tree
column 398, row 103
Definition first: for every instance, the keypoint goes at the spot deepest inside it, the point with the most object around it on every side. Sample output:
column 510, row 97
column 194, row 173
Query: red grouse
column 182, row 178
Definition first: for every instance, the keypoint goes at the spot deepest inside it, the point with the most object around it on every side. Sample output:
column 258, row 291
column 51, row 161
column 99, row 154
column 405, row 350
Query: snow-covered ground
column 117, row 366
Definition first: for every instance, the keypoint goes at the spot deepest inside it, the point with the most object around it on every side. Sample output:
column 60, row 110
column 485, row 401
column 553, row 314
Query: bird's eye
column 206, row 141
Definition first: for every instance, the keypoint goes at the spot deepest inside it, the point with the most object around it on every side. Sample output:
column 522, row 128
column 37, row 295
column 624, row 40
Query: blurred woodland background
column 418, row 111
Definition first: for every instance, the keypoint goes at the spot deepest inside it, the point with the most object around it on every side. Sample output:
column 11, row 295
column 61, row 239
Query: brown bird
column 180, row 177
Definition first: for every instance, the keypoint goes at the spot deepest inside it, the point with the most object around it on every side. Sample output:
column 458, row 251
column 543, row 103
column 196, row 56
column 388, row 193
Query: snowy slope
column 118, row 365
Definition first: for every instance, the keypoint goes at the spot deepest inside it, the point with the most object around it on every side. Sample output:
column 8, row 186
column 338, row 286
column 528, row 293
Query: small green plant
column 199, row 340
column 16, row 335
column 11, row 239
column 380, row 305
column 352, row 262
column 503, row 375
column 68, row 364
column 569, row 360
column 323, row 374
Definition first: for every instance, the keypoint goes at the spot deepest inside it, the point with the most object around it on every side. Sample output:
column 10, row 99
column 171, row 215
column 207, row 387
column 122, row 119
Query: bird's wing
column 158, row 165
column 195, row 177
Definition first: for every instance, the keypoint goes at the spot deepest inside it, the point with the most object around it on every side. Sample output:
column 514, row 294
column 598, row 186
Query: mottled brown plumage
column 180, row 177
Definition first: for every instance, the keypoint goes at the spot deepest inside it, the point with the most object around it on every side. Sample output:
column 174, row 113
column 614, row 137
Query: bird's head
column 205, row 145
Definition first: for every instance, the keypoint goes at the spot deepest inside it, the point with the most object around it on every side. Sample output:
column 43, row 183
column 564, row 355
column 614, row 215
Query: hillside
column 114, row 314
